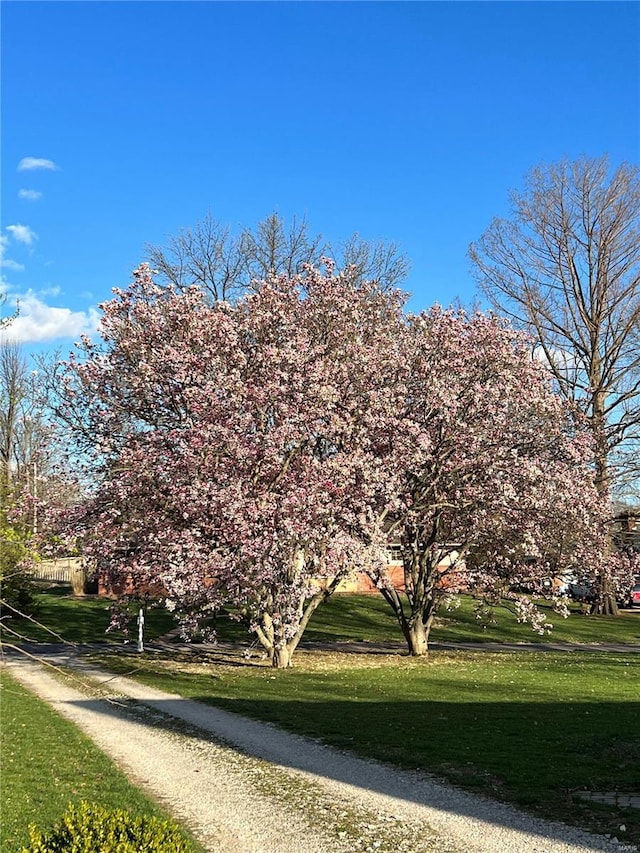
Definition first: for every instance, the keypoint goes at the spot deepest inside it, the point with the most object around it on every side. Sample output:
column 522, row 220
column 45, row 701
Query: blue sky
column 410, row 122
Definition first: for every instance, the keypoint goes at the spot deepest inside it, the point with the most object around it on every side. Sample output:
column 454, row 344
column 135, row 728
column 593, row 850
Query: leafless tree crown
column 209, row 255
column 24, row 433
column 566, row 267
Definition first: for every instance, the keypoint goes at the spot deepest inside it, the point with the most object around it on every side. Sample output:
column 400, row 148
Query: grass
column 81, row 619
column 48, row 763
column 344, row 617
column 369, row 618
column 461, row 625
column 531, row 729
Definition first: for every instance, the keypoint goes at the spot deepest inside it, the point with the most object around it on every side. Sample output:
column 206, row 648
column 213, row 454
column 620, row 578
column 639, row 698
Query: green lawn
column 369, row 618
column 80, row 619
column 342, row 618
column 48, row 763
column 461, row 625
column 531, row 729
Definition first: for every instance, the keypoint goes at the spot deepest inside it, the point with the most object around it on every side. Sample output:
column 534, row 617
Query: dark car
column 583, row 592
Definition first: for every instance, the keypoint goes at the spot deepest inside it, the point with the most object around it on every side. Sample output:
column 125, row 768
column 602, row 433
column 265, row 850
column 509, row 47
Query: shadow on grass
column 486, row 747
column 79, row 619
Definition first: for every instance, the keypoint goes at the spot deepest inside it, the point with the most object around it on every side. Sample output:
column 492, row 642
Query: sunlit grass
column 344, row 617
column 79, row 619
column 47, row 763
column 369, row 618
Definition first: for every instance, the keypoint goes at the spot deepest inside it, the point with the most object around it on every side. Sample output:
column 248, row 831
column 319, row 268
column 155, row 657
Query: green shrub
column 90, row 828
column 16, row 583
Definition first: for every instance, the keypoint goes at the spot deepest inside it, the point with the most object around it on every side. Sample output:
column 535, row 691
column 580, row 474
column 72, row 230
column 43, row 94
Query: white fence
column 61, row 570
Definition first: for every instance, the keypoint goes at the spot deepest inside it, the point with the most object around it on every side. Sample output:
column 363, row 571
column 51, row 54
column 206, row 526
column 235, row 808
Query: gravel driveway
column 248, row 787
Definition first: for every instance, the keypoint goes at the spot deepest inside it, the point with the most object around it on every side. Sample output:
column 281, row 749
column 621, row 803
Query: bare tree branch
column 224, row 265
column 566, row 267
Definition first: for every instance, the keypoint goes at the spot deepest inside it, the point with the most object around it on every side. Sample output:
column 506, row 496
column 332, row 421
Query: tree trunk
column 417, row 637
column 599, row 429
column 416, row 625
column 265, row 635
column 272, row 637
column 281, row 658
column 605, row 604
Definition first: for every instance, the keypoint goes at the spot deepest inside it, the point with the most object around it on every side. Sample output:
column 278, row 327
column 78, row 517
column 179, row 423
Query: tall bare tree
column 274, row 249
column 12, row 396
column 225, row 264
column 38, row 478
column 206, row 255
column 24, row 432
column 566, row 267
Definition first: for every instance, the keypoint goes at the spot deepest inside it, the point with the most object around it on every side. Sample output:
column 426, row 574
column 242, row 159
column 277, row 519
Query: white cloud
column 28, row 164
column 38, row 322
column 50, row 290
column 29, row 195
column 22, row 234
column 7, row 263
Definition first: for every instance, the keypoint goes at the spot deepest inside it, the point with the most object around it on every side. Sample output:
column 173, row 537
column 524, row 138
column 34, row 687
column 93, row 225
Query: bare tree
column 274, row 249
column 13, row 393
column 27, row 447
column 381, row 261
column 206, row 256
column 566, row 267
column 224, row 265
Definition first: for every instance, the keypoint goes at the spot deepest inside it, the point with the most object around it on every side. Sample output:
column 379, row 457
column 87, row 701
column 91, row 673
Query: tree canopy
column 493, row 486
column 254, row 453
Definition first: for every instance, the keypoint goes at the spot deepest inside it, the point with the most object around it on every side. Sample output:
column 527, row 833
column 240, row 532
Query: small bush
column 16, row 583
column 90, row 828
column 17, row 591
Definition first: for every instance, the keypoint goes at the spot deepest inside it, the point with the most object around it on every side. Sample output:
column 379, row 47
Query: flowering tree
column 239, row 446
column 494, row 487
column 254, row 454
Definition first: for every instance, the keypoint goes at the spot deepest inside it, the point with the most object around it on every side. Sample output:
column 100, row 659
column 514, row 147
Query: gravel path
column 248, row 787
